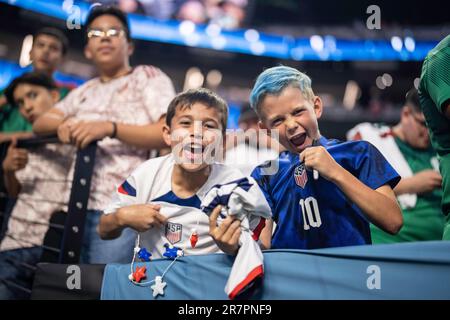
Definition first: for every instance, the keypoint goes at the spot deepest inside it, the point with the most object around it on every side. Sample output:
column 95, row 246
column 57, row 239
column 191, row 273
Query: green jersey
column 11, row 120
column 425, row 221
column 434, row 93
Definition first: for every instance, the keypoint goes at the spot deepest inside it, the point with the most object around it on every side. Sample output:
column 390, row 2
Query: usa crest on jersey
column 301, row 176
column 174, row 232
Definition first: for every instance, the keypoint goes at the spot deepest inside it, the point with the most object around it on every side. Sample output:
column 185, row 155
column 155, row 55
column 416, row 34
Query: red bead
column 194, row 239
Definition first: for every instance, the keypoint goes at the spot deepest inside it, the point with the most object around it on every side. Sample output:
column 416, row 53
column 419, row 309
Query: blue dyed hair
column 274, row 80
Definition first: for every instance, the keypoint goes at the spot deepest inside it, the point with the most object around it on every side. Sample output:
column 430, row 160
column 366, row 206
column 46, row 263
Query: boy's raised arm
column 379, row 206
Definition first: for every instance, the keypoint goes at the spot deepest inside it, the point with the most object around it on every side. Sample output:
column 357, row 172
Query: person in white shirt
column 123, row 109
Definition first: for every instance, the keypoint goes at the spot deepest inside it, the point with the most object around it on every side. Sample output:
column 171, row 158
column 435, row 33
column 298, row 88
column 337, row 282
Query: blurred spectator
column 249, row 151
column 194, row 11
column 228, row 14
column 159, row 9
column 128, row 6
column 38, row 179
column 434, row 91
column 407, row 147
column 47, row 52
column 123, row 109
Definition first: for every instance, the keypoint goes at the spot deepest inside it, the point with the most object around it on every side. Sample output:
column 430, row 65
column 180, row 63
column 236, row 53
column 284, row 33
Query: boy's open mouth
column 193, row 151
column 298, row 139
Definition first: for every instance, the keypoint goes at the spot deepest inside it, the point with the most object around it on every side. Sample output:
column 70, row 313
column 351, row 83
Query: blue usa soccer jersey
column 314, row 214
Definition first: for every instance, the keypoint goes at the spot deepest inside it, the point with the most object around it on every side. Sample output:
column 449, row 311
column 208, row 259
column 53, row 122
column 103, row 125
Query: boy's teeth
column 196, row 147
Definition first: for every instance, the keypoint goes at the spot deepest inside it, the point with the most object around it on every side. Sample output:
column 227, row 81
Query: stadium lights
column 192, row 40
column 194, row 79
column 186, row 28
column 297, row 53
column 379, row 83
column 330, row 43
column 387, row 80
column 397, row 43
column 316, row 42
column 219, row 42
column 213, row 30
column 257, row 48
column 213, row 78
column 251, row 41
column 251, row 35
column 410, row 44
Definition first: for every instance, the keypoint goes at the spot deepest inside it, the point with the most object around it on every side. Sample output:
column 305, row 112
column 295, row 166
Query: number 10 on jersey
column 310, row 212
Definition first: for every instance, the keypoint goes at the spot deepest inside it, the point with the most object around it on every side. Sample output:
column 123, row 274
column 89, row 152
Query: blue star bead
column 144, row 255
column 171, row 251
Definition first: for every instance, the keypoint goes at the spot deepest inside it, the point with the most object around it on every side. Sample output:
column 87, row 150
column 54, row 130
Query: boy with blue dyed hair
column 354, row 183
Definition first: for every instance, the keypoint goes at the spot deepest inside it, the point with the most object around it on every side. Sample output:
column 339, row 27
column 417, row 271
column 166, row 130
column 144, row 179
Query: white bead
column 194, row 230
column 136, row 249
column 130, row 277
column 180, row 253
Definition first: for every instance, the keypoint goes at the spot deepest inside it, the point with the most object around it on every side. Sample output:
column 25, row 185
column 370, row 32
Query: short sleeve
column 125, row 195
column 67, row 104
column 263, row 182
column 372, row 168
column 435, row 79
column 157, row 93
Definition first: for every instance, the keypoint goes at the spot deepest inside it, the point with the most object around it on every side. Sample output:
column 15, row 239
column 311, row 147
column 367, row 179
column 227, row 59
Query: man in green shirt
column 434, row 92
column 407, row 147
column 48, row 50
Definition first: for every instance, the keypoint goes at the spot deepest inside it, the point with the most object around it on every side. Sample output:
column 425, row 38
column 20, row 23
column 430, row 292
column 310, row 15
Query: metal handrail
column 69, row 252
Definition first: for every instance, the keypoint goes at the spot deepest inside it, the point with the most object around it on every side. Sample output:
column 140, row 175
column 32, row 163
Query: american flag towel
column 245, row 200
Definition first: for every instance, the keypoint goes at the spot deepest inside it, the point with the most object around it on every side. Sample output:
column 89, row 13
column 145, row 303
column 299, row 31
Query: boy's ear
column 261, row 125
column 318, row 106
column 130, row 48
column 31, row 53
column 55, row 95
column 167, row 135
column 405, row 111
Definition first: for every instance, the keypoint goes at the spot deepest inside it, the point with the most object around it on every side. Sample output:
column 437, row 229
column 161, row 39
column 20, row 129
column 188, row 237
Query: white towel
column 243, row 199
